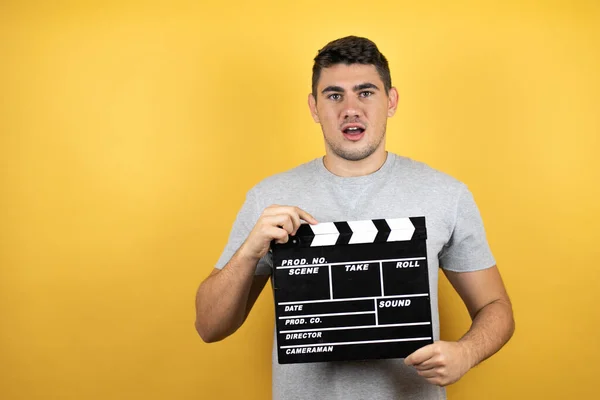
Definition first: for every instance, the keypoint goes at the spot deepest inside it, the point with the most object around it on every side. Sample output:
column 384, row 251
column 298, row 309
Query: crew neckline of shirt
column 330, row 177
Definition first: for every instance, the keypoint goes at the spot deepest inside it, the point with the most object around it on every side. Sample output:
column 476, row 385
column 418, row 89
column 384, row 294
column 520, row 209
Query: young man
column 357, row 179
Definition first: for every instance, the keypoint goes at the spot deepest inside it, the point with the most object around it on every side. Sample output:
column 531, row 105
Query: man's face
column 352, row 108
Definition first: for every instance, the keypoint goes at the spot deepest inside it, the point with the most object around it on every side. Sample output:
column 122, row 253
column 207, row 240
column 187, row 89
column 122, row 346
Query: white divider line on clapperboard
column 362, row 342
column 350, row 262
column 328, row 315
column 357, row 327
column 380, row 280
column 330, row 283
column 351, row 299
column 376, row 313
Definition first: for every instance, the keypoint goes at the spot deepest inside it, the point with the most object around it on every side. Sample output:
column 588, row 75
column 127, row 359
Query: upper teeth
column 353, row 128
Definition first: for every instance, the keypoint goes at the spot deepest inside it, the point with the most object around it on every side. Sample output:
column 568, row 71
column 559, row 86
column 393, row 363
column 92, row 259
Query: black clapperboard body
column 352, row 290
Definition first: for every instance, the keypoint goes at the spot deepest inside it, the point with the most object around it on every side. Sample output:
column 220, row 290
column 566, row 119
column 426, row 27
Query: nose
column 351, row 108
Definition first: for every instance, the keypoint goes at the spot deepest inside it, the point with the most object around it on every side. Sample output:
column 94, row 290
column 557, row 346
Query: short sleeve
column 242, row 226
column 467, row 249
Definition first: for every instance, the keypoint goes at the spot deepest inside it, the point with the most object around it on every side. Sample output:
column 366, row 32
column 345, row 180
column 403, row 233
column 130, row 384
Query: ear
column 312, row 105
column 392, row 102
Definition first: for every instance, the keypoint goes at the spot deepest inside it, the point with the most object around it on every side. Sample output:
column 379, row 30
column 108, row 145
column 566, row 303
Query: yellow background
column 130, row 132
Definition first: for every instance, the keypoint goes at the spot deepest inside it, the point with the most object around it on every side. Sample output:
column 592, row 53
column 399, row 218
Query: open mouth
column 353, row 132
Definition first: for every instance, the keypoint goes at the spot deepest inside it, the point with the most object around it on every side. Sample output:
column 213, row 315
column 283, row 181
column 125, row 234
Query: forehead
column 347, row 76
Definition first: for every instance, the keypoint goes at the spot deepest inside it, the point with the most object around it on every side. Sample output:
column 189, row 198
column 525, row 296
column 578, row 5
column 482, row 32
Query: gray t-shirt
column 402, row 187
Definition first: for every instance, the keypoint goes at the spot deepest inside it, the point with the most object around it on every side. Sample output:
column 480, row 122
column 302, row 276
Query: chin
column 355, row 155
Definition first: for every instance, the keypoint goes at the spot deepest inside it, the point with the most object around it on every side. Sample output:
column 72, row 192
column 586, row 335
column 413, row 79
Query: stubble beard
column 357, row 154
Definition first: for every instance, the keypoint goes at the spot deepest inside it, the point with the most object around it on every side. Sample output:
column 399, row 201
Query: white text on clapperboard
column 304, row 268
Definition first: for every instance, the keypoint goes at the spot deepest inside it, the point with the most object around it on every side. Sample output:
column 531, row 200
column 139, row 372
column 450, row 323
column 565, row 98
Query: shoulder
column 289, row 179
column 421, row 174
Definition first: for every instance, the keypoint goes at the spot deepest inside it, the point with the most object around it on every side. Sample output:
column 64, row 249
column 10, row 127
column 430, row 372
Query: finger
column 436, row 380
column 430, row 373
column 273, row 209
column 283, row 221
column 432, row 362
column 295, row 221
column 421, row 355
column 277, row 234
column 277, row 209
column 425, row 365
column 275, row 229
column 306, row 216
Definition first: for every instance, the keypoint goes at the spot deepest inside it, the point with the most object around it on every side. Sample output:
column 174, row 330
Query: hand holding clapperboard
column 352, row 290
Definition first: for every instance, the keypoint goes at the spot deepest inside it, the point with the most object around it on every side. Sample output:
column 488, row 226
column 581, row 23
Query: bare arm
column 485, row 297
column 490, row 308
column 225, row 297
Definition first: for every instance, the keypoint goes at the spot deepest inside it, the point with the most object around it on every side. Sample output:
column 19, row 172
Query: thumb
column 421, row 355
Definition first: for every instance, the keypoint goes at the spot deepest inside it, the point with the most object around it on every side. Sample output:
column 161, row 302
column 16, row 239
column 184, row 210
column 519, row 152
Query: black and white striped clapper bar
column 352, row 290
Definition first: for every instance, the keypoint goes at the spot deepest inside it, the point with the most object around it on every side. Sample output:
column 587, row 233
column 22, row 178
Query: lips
column 353, row 132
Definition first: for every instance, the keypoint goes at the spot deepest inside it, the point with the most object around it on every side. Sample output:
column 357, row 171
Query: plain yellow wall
column 130, row 132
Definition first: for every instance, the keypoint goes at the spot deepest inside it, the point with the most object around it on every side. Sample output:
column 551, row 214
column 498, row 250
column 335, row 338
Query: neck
column 345, row 168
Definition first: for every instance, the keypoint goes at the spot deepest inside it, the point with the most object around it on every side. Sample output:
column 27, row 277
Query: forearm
column 222, row 298
column 491, row 328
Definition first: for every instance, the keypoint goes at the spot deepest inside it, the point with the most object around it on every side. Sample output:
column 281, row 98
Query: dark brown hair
column 351, row 50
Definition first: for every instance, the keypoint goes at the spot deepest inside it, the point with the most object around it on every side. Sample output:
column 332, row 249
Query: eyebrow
column 356, row 88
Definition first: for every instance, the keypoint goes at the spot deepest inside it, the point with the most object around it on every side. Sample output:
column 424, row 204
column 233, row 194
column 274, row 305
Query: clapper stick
column 352, row 290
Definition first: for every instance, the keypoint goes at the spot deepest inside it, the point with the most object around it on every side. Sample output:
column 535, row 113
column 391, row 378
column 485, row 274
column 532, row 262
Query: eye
column 334, row 96
column 366, row 93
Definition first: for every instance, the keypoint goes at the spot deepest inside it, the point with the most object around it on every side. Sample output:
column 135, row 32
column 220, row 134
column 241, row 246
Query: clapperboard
column 352, row 290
